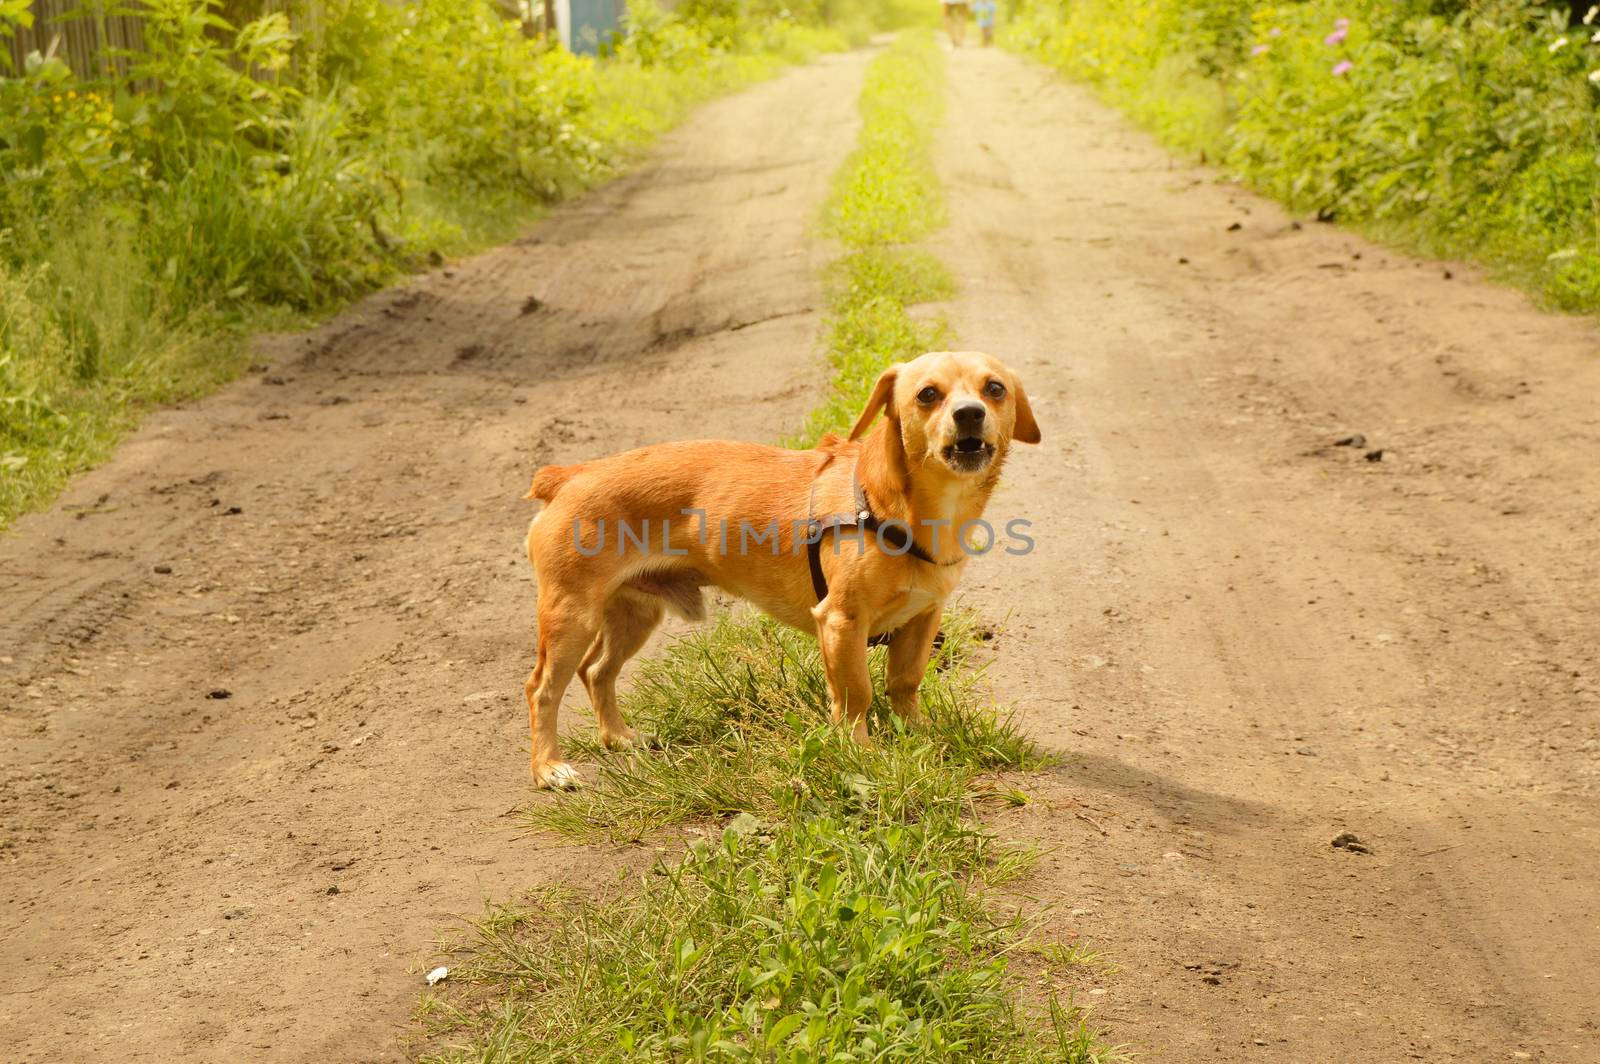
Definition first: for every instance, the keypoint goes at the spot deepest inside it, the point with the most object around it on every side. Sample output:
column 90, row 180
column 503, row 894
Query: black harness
column 896, row 535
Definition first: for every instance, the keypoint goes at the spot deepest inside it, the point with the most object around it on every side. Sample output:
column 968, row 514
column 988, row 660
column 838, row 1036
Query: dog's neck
column 934, row 507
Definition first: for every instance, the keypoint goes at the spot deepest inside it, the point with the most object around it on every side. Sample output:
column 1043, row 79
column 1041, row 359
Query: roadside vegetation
column 249, row 169
column 1454, row 127
column 830, row 902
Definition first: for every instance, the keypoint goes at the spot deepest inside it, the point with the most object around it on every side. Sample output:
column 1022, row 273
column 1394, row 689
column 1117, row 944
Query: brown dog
column 855, row 539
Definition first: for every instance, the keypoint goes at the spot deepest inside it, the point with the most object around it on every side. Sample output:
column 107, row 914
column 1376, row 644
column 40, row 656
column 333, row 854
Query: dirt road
column 1241, row 638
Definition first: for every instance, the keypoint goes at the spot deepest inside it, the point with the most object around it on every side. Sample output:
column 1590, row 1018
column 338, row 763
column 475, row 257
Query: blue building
column 588, row 25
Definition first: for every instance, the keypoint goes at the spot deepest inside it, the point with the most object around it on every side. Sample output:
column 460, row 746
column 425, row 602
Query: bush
column 1461, row 129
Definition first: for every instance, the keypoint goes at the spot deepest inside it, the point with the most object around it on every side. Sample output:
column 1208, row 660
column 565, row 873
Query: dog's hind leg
column 565, row 632
column 629, row 619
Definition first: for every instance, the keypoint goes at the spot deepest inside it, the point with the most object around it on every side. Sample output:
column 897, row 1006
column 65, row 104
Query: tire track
column 1244, row 639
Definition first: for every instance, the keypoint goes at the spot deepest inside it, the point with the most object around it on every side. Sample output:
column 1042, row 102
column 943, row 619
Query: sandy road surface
column 1241, row 638
column 1247, row 640
column 168, row 857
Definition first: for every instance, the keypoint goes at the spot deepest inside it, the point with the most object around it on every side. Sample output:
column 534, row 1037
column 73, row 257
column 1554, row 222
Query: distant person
column 985, row 10
column 955, row 21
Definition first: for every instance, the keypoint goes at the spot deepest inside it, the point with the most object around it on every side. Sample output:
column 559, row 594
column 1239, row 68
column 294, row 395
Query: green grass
column 887, row 191
column 885, row 197
column 85, row 351
column 830, row 902
column 727, row 702
column 869, row 327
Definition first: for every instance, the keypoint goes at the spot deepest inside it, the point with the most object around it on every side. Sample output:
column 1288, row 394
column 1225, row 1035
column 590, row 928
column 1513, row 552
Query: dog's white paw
column 556, row 776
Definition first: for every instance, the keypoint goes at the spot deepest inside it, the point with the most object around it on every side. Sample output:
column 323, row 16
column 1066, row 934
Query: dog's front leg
column 843, row 639
column 908, row 662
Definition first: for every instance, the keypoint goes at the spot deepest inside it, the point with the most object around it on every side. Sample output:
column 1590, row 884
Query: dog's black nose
column 969, row 415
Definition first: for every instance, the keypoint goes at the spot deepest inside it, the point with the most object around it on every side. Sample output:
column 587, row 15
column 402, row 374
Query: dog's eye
column 994, row 390
column 928, row 396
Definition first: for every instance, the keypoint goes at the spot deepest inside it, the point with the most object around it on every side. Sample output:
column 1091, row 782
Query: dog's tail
column 547, row 480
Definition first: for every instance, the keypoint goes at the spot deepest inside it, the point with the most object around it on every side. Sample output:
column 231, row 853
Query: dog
column 855, row 539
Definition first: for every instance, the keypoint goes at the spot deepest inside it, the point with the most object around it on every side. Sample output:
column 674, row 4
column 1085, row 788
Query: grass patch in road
column 869, row 327
column 837, row 915
column 728, row 701
column 886, row 196
column 830, row 904
column 887, row 191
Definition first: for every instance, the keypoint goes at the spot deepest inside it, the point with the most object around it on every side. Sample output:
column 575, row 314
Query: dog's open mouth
column 968, row 454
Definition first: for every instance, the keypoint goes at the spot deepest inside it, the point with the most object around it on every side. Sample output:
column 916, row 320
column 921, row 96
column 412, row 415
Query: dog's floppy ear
column 882, row 394
column 1026, row 429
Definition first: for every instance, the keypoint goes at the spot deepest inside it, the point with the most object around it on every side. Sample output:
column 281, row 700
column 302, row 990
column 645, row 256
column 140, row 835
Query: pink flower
column 1336, row 37
column 1341, row 23
column 1343, row 67
column 1259, row 50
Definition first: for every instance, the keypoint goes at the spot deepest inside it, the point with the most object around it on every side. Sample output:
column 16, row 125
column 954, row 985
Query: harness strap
column 819, row 581
column 896, row 535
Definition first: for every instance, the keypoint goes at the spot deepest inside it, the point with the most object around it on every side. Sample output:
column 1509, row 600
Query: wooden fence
column 87, row 34
column 84, row 34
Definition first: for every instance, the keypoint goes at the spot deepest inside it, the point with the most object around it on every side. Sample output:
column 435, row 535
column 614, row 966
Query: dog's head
column 954, row 412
